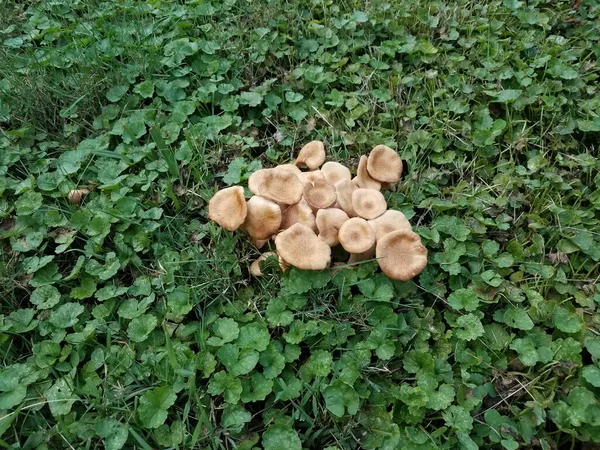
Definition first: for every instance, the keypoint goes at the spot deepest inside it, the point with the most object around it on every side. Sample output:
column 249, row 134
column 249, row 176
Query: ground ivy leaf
column 319, row 364
column 340, row 397
column 463, row 299
column 45, row 297
column 254, row 336
column 66, row 315
column 154, row 405
column 565, row 320
column 280, row 436
column 60, row 397
column 234, row 418
column 116, row 93
column 140, row 328
column 441, row 399
column 272, row 362
column 526, row 350
column 287, row 389
column 226, row 384
column 517, row 318
column 114, row 433
column 225, row 330
column 592, row 375
column 458, row 418
column 256, row 389
column 471, row 327
column 496, row 336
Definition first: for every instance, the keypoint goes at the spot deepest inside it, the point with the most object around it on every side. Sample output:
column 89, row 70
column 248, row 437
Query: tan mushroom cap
column 302, row 213
column 363, row 179
column 255, row 269
column 401, row 255
column 312, row 155
column 256, row 179
column 290, row 168
column 280, row 186
column 344, row 189
column 311, row 177
column 320, row 194
column 384, row 164
column 263, row 219
column 228, row 208
column 368, row 203
column 389, row 221
column 334, row 172
column 300, row 247
column 356, row 236
column 329, row 222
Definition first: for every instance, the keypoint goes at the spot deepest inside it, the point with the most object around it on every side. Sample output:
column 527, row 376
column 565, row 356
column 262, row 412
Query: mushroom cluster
column 307, row 213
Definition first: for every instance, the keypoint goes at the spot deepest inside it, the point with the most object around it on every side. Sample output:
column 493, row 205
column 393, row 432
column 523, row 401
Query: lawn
column 129, row 320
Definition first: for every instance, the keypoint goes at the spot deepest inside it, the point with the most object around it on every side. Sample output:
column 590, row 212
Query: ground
column 128, row 320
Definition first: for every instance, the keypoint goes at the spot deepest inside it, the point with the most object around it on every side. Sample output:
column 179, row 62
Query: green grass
column 131, row 321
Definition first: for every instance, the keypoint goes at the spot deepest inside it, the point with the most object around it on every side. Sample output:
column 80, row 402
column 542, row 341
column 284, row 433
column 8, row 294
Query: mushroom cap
column 329, row 222
column 401, row 255
column 358, row 257
column 320, row 194
column 300, row 247
column 255, row 180
column 290, row 168
column 263, row 219
column 344, row 189
column 389, row 221
column 356, row 236
column 312, row 155
column 228, row 207
column 302, row 213
column 363, row 179
column 334, row 172
column 310, row 177
column 255, row 269
column 368, row 203
column 280, row 185
column 384, row 164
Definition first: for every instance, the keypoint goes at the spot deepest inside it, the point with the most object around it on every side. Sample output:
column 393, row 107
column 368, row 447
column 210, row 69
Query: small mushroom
column 311, row 177
column 280, row 186
column 302, row 213
column 389, row 221
column 334, row 172
column 228, row 208
column 319, row 194
column 329, row 222
column 300, row 247
column 368, row 203
column 255, row 180
column 263, row 219
column 356, row 236
column 255, row 269
column 312, row 155
column 76, row 195
column 344, row 189
column 363, row 179
column 401, row 255
column 384, row 164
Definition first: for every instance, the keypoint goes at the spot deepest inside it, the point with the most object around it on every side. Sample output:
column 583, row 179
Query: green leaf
column 225, row 330
column 293, row 97
column 280, row 436
column 251, row 98
column 508, row 95
column 153, row 406
column 234, row 171
column 86, row 290
column 235, row 417
column 114, row 433
column 28, row 203
column 45, row 297
column 340, row 397
column 471, row 327
column 458, row 418
column 179, row 301
column 253, row 336
column 66, row 315
column 256, row 389
column 272, row 362
column 300, row 281
column 60, row 397
column 319, row 364
column 237, row 362
column 527, row 352
column 116, row 93
column 463, row 299
column 592, row 375
column 517, row 318
column 566, row 321
column 226, row 384
column 140, row 328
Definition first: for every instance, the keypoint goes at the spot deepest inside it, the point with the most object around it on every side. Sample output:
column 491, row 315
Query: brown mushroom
column 312, row 155
column 258, row 243
column 384, row 164
column 334, row 172
column 401, row 255
column 319, row 194
column 356, row 236
column 302, row 213
column 358, row 257
column 280, row 186
column 329, row 222
column 311, row 177
column 368, row 203
column 389, row 221
column 300, row 247
column 263, row 219
column 363, row 179
column 290, row 168
column 344, row 189
column 255, row 269
column 76, row 195
column 228, row 208
column 255, row 180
